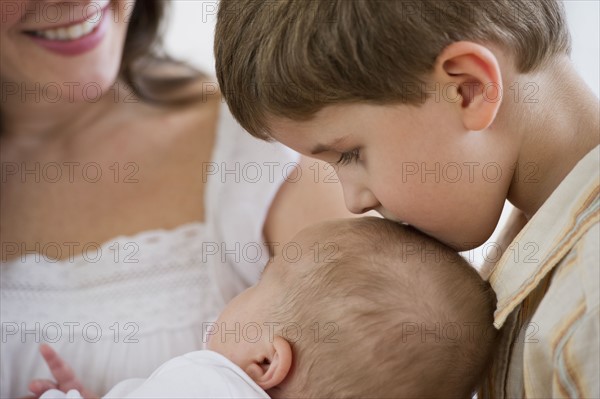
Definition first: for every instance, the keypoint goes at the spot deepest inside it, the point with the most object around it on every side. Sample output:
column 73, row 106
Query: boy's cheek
column 462, row 226
column 463, row 235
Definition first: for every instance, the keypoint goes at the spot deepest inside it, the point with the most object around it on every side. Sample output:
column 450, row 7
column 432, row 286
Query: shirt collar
column 548, row 237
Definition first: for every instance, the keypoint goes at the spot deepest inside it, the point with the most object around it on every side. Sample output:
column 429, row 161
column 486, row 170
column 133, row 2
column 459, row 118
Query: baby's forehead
column 374, row 237
column 327, row 229
column 314, row 243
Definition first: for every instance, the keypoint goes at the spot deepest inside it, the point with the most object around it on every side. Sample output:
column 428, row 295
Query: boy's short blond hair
column 385, row 312
column 290, row 58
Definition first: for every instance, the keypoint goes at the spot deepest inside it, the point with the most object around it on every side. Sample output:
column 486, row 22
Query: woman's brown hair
column 152, row 75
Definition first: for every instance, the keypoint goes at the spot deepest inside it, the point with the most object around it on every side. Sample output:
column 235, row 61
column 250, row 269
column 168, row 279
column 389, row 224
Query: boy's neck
column 555, row 132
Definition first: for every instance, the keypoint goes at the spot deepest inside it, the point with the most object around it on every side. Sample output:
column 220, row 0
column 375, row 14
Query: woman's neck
column 30, row 115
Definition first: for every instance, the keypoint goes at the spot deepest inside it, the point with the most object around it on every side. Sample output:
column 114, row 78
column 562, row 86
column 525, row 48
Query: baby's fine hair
column 385, row 312
column 290, row 58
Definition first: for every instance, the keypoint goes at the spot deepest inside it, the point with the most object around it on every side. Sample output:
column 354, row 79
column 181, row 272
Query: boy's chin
column 463, row 241
column 385, row 214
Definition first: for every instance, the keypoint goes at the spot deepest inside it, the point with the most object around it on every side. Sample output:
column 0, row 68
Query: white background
column 190, row 35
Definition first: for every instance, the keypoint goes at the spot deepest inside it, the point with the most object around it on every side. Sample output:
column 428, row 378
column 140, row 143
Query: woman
column 133, row 206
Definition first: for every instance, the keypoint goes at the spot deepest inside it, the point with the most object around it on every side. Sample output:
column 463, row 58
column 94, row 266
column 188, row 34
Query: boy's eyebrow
column 319, row 148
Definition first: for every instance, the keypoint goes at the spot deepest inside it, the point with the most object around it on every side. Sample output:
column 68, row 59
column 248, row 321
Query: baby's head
column 362, row 308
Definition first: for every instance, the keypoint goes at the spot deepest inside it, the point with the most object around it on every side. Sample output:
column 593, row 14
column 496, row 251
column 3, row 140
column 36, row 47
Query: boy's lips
column 387, row 215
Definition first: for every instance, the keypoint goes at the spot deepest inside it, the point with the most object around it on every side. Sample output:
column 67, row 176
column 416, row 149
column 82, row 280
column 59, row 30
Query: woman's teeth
column 72, row 32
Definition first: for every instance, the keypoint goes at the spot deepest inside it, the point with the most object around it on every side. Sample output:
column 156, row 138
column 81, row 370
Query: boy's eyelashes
column 348, row 157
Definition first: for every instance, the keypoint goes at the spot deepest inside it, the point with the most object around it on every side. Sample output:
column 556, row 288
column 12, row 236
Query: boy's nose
column 359, row 199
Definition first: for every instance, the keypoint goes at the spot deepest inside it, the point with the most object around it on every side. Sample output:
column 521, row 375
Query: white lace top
column 137, row 301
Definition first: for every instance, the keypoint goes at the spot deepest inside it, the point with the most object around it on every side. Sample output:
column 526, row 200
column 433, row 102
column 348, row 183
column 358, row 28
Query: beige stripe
column 567, row 323
column 572, row 372
column 562, row 390
column 548, row 265
column 566, row 265
column 560, row 335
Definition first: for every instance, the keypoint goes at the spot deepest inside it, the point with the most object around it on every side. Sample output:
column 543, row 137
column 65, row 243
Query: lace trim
column 147, row 243
column 164, row 295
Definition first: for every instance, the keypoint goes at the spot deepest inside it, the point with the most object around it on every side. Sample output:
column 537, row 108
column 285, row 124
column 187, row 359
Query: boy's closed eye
column 348, row 157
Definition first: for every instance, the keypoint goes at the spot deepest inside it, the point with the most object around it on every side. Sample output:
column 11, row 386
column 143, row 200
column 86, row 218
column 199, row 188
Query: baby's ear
column 271, row 368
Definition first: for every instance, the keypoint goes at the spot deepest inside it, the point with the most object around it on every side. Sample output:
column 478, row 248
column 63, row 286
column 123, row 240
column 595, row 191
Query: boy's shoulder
column 547, row 284
column 556, row 328
column 556, row 235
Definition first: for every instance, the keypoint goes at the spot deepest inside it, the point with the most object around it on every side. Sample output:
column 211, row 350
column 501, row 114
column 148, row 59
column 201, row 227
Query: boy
column 435, row 113
column 370, row 309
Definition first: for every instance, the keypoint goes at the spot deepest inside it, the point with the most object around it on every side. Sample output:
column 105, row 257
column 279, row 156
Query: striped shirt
column 547, row 285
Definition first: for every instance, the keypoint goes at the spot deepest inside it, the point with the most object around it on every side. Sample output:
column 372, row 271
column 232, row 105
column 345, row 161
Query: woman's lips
column 74, row 39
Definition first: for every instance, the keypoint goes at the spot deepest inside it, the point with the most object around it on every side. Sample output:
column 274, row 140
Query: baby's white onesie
column 201, row 374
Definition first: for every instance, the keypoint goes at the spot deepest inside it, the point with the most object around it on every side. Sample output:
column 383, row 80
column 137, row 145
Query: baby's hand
column 62, row 372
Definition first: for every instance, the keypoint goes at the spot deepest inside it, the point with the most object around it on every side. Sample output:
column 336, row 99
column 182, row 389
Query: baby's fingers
column 38, row 387
column 61, row 371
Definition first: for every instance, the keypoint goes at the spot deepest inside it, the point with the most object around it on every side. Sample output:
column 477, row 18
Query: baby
column 364, row 308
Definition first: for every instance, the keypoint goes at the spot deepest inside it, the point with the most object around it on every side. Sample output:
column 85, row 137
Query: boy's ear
column 271, row 367
column 474, row 74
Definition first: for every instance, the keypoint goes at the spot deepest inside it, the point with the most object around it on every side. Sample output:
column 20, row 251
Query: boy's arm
column 66, row 380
